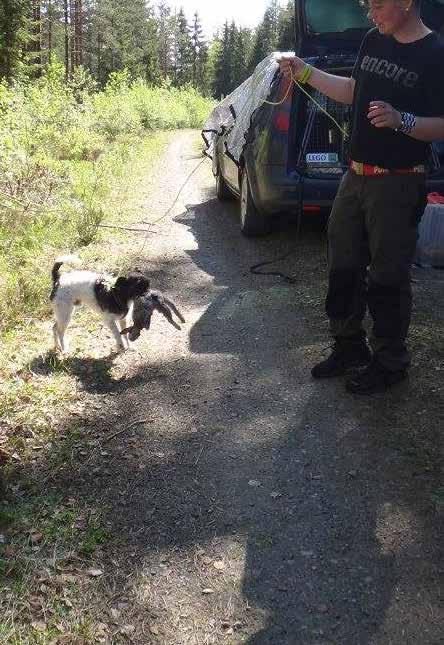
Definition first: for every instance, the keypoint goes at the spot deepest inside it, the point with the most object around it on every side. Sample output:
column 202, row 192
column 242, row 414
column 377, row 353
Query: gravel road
column 252, row 504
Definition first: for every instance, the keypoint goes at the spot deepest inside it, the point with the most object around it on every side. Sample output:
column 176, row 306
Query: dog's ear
column 142, row 283
column 121, row 282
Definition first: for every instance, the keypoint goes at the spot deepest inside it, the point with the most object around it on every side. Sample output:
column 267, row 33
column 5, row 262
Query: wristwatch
column 408, row 122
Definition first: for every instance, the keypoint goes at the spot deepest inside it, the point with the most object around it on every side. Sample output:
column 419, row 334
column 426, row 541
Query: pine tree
column 49, row 18
column 286, row 28
column 211, row 63
column 198, row 44
column 14, row 37
column 165, row 39
column 222, row 67
column 266, row 35
column 182, row 51
column 241, row 56
column 121, row 36
column 232, row 41
column 52, row 32
column 201, row 83
column 151, row 60
column 100, row 39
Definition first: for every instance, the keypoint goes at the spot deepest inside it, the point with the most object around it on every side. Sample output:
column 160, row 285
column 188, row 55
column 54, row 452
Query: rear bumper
column 275, row 192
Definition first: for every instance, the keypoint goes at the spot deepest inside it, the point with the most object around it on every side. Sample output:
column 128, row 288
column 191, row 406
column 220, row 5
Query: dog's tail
column 63, row 259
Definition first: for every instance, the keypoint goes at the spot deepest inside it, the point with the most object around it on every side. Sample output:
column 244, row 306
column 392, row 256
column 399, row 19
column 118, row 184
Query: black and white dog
column 112, row 298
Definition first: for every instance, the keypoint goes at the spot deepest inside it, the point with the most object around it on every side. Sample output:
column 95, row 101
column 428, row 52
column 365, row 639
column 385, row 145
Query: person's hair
column 415, row 3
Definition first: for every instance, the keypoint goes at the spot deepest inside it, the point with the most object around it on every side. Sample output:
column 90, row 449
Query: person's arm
column 338, row 88
column 428, row 129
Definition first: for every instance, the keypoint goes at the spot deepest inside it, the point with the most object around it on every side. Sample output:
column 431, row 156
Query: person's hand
column 384, row 115
column 288, row 64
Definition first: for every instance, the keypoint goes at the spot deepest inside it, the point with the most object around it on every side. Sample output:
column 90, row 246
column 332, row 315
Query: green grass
column 44, row 537
column 43, row 404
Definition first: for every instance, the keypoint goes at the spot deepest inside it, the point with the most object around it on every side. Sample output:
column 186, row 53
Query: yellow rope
column 318, row 105
column 285, row 97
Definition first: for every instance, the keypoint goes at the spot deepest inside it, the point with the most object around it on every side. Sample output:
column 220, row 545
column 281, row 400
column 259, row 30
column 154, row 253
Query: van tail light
column 281, row 117
column 281, row 120
column 311, row 208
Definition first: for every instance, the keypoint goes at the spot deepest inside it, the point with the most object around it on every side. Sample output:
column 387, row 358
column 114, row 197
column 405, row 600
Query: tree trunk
column 49, row 31
column 76, row 14
column 99, row 57
column 79, row 32
column 66, row 19
column 35, row 46
column 72, row 20
column 8, row 43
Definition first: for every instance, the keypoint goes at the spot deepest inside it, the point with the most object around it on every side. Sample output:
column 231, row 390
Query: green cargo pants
column 372, row 235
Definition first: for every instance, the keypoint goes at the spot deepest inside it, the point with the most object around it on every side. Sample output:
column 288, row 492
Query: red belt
column 375, row 171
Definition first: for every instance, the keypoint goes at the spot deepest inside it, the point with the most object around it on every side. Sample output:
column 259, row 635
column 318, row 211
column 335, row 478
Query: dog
column 112, row 297
column 143, row 310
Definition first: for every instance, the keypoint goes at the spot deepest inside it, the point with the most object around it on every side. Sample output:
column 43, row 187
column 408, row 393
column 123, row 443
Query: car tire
column 252, row 222
column 223, row 193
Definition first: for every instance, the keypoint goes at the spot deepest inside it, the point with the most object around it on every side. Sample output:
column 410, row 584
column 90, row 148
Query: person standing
column 397, row 96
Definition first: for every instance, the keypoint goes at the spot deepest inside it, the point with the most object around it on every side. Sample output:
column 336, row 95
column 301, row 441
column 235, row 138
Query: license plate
column 322, row 157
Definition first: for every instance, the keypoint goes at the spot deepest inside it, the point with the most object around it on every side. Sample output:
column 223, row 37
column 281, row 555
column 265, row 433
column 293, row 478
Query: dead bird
column 143, row 309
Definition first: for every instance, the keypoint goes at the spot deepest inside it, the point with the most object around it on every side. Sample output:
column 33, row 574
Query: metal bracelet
column 408, row 123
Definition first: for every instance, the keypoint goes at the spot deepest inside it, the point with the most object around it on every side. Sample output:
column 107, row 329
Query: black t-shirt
column 409, row 76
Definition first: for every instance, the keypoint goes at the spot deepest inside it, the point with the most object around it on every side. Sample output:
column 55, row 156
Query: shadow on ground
column 317, row 504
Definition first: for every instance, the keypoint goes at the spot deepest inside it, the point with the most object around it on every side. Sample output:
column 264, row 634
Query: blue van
column 295, row 156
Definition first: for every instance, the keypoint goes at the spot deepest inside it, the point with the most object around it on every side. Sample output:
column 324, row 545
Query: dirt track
column 254, row 505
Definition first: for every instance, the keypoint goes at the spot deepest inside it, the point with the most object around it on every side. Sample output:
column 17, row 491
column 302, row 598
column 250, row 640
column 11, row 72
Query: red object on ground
column 435, row 198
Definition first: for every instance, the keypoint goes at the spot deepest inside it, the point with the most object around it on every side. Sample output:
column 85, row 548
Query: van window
column 324, row 17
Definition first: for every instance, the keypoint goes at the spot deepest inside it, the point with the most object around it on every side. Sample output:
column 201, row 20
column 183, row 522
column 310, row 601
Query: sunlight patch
column 396, row 528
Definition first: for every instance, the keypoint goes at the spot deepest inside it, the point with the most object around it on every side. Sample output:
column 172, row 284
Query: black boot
column 374, row 378
column 348, row 353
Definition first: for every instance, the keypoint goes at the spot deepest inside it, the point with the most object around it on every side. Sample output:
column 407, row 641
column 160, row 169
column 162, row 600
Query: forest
column 151, row 42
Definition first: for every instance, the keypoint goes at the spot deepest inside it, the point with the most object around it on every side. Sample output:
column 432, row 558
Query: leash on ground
column 291, row 279
column 288, row 278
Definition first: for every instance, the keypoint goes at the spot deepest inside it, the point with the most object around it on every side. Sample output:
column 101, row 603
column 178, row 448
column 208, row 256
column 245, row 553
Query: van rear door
column 323, row 26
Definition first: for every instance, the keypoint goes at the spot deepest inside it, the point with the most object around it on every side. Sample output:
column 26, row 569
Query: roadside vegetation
column 71, row 159
column 66, row 153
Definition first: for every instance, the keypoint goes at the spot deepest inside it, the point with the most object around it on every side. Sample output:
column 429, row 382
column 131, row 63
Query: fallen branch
column 116, row 434
column 127, row 228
